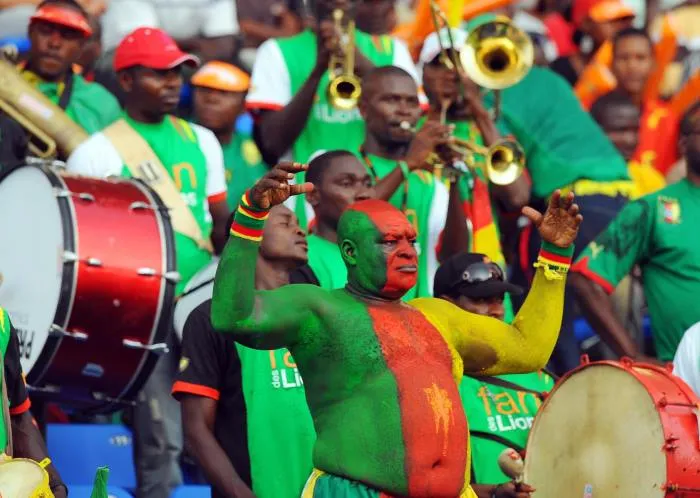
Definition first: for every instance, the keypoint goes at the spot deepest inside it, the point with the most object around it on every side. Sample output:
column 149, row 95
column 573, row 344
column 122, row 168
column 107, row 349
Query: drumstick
column 511, row 464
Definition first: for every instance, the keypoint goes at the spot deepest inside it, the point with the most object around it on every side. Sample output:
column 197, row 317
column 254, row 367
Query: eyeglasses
column 482, row 272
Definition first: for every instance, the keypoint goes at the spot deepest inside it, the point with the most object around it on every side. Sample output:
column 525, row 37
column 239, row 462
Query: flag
column 99, row 488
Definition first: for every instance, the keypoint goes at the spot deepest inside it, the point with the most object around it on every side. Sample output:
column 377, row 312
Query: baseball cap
column 599, row 11
column 63, row 16
column 152, row 48
column 472, row 275
column 431, row 45
column 221, row 76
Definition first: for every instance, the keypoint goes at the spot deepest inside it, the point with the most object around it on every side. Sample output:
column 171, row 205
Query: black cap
column 452, row 278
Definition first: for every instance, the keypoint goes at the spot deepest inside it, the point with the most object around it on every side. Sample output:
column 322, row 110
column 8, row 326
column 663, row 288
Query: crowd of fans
column 609, row 112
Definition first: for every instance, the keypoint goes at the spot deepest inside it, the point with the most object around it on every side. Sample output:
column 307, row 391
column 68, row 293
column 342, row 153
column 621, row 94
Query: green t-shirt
column 562, row 142
column 175, row 143
column 327, row 128
column 281, row 433
column 90, row 105
column 327, row 263
column 499, row 411
column 424, row 201
column 659, row 233
column 243, row 166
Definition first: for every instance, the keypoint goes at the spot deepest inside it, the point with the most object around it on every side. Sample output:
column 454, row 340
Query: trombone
column 496, row 55
column 505, row 160
column 345, row 88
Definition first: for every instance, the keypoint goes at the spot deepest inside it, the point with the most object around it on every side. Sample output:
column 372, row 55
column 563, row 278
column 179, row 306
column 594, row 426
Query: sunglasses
column 481, row 272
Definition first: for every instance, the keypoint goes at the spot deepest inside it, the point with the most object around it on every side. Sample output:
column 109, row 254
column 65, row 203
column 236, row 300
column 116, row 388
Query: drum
column 87, row 274
column 21, row 477
column 616, row 430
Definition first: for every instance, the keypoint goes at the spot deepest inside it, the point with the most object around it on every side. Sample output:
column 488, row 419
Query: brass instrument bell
column 497, row 54
column 345, row 88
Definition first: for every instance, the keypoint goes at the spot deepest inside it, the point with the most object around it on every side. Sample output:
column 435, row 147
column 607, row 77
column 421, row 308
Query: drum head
column 31, row 257
column 598, row 435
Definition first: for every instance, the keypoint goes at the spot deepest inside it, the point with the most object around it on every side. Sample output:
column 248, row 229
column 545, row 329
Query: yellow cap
column 221, row 76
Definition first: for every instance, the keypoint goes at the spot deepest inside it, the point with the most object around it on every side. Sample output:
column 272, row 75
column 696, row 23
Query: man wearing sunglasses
column 499, row 409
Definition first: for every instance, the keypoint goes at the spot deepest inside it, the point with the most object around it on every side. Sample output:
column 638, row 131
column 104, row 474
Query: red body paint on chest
column 432, row 419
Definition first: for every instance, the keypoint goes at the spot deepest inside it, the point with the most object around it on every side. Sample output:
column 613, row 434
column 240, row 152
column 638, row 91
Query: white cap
column 431, row 46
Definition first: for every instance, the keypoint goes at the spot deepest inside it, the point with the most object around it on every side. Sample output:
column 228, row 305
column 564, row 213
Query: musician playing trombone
column 454, row 98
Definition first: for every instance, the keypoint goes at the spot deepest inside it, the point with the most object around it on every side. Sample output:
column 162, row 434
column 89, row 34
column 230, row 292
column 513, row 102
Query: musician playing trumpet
column 456, row 100
column 401, row 162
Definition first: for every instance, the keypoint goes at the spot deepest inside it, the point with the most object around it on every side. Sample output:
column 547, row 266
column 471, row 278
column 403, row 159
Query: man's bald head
column 377, row 244
column 382, row 78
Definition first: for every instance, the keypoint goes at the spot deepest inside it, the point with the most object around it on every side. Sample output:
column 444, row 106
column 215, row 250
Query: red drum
column 616, row 430
column 87, row 274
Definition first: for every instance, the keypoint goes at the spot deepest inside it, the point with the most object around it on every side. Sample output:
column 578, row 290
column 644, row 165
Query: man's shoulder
column 94, row 90
column 300, row 39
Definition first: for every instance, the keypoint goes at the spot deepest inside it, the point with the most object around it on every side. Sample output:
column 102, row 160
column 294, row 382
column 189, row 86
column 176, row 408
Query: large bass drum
column 616, row 430
column 87, row 274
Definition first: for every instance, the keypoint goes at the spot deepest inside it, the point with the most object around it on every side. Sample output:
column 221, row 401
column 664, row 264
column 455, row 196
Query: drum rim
column 68, row 277
column 163, row 324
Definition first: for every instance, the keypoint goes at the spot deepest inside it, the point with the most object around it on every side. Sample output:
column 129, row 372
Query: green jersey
column 5, row 328
column 192, row 157
column 90, row 105
column 243, row 164
column 424, row 201
column 500, row 417
column 271, row 381
column 657, row 232
column 281, row 68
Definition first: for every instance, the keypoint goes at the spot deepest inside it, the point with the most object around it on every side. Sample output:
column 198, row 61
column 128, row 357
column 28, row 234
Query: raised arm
column 265, row 319
column 491, row 347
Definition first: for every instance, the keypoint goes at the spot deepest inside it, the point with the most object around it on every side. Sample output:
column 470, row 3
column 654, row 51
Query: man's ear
column 313, row 197
column 348, row 250
column 682, row 145
column 126, row 80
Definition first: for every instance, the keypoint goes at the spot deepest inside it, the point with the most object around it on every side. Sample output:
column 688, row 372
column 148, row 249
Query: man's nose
column 55, row 38
column 363, row 194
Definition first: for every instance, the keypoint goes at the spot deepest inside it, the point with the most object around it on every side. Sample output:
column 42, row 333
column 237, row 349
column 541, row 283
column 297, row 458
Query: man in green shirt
column 499, row 408
column 244, row 411
column 399, row 162
column 57, row 31
column 148, row 64
column 339, row 179
column 657, row 232
column 219, row 93
column 289, row 88
column 27, row 441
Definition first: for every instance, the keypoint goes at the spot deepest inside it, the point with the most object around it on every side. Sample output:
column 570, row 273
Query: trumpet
column 505, row 160
column 344, row 89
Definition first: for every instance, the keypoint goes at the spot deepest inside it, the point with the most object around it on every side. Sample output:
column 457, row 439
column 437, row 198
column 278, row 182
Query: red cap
column 68, row 17
column 151, row 48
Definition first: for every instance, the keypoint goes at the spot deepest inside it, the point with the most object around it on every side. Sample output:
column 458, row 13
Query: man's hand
column 512, row 490
column 274, row 188
column 559, row 224
column 327, row 43
column 431, row 135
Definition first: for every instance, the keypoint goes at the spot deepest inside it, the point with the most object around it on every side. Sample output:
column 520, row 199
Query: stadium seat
column 86, row 492
column 190, row 492
column 77, row 450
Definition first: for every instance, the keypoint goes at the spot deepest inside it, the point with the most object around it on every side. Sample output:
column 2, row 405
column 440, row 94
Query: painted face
column 383, row 260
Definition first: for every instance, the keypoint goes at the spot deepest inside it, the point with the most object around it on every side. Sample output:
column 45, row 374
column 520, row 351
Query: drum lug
column 146, row 272
column 172, row 276
column 93, row 262
column 160, row 348
column 55, row 330
column 69, row 257
column 135, row 206
column 84, row 196
column 61, row 192
column 670, row 444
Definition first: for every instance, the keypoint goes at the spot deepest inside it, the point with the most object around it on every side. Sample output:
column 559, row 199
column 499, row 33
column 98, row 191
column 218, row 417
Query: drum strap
column 145, row 165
